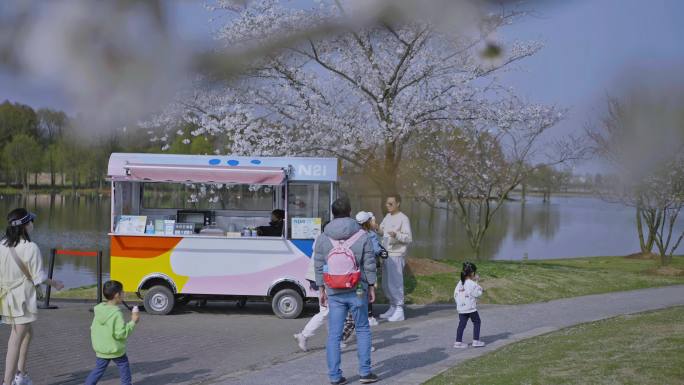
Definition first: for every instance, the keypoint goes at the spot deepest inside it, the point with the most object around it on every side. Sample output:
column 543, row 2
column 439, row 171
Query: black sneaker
column 341, row 381
column 368, row 379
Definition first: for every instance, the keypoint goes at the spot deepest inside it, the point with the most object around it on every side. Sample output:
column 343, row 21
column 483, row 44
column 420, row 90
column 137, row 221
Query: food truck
column 189, row 227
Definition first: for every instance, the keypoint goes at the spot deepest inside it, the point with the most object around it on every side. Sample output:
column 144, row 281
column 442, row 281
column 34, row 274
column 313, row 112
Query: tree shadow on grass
column 140, row 372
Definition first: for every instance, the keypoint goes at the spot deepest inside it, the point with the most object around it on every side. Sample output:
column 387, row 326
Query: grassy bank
column 516, row 282
column 83, row 292
column 4, row 190
column 644, row 348
column 512, row 282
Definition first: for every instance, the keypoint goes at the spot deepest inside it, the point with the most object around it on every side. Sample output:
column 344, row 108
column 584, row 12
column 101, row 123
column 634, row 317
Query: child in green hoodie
column 109, row 333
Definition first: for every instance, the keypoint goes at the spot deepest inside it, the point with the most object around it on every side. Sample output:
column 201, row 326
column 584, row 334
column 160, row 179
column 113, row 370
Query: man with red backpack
column 346, row 273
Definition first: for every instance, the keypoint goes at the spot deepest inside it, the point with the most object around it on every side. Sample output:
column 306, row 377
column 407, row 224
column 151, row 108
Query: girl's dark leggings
column 463, row 320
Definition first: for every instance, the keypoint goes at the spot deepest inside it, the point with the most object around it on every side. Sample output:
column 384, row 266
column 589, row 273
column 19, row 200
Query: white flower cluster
column 358, row 95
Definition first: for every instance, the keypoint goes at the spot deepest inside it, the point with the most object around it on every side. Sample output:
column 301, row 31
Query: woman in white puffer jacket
column 466, row 294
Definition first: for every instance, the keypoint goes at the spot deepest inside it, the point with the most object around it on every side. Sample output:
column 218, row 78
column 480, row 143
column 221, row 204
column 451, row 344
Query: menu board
column 184, row 229
column 131, row 224
column 159, row 226
column 306, row 228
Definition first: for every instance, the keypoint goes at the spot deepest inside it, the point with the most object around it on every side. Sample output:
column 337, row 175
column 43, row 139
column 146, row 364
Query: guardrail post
column 48, row 291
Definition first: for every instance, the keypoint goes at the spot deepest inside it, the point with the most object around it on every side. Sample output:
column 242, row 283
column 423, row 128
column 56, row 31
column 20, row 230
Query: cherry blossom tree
column 642, row 139
column 360, row 94
column 471, row 169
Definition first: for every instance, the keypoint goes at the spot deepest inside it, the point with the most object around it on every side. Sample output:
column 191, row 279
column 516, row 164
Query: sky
column 593, row 49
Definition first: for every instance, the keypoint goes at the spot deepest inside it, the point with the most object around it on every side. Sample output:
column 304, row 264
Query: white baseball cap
column 363, row 217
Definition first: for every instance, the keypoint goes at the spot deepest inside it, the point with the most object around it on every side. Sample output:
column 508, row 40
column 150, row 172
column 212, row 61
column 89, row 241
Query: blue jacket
column 375, row 241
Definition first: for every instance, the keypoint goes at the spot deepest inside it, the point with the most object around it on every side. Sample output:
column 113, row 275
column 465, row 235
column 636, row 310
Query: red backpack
column 341, row 270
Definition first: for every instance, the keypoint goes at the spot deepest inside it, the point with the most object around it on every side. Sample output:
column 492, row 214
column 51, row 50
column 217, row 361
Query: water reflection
column 68, row 222
column 574, row 226
column 567, row 227
column 534, row 218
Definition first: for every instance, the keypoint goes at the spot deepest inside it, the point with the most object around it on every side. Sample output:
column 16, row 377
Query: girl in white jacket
column 466, row 293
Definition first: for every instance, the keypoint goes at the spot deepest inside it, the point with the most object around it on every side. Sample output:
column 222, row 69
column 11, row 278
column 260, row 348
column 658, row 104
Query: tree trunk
column 389, row 183
column 477, row 246
column 524, row 191
column 390, row 170
column 26, row 182
column 646, row 246
column 52, row 173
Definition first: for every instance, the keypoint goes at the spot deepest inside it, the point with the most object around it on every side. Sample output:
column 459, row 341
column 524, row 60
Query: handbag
column 25, row 270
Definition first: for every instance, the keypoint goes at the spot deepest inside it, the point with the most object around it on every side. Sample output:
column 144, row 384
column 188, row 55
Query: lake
column 567, row 227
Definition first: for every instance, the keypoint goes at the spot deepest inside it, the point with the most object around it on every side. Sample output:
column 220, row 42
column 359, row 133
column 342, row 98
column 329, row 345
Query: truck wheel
column 159, row 300
column 287, row 303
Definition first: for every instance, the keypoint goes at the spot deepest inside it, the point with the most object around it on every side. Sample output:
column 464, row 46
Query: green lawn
column 84, row 292
column 645, row 348
column 507, row 282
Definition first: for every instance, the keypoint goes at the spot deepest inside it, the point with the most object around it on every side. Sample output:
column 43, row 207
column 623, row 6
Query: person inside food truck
column 275, row 227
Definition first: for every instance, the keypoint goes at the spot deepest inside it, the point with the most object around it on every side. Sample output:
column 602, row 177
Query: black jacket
column 274, row 229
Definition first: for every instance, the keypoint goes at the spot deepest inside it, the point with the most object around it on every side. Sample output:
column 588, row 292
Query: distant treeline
column 48, row 149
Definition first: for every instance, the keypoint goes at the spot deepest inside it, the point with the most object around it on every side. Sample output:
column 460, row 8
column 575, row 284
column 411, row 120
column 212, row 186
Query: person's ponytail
column 468, row 268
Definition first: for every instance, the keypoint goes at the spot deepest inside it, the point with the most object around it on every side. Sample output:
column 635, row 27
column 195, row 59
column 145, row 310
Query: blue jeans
column 101, row 366
column 339, row 306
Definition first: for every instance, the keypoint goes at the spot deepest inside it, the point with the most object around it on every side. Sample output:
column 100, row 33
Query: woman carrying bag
column 21, row 273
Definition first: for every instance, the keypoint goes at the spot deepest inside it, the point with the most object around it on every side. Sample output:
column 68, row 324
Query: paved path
column 223, row 345
column 414, row 351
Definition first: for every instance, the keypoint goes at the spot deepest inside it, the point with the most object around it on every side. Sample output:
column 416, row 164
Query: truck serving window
column 207, row 196
column 308, row 201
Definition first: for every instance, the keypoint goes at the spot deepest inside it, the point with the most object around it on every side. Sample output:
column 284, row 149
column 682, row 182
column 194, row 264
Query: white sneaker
column 398, row 315
column 478, row 344
column 388, row 313
column 22, row 379
column 301, row 341
column 372, row 321
column 460, row 345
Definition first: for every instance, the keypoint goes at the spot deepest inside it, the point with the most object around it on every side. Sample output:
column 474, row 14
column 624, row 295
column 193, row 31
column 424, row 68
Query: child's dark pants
column 101, row 366
column 463, row 320
column 349, row 325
